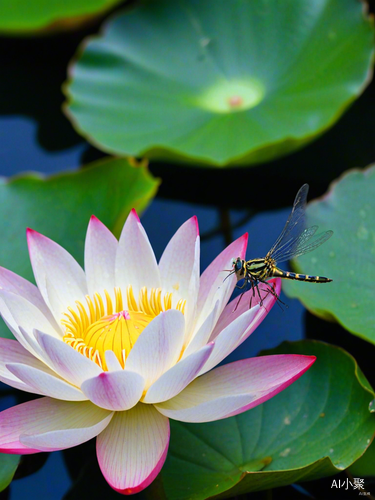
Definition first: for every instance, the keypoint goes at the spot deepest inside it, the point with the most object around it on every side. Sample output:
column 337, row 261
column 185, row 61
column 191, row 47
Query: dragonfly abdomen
column 300, row 277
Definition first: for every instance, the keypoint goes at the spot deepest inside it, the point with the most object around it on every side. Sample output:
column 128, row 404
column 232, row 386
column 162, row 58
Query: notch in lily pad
column 219, row 82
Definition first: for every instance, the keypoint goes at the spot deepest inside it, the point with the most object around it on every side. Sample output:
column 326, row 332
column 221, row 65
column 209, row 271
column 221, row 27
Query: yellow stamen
column 102, row 325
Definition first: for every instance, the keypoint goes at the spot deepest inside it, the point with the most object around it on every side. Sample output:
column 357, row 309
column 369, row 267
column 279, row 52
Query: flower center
column 104, row 325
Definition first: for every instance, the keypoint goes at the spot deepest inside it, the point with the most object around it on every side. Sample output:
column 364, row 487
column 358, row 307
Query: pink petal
column 100, row 256
column 178, row 261
column 231, row 336
column 59, row 277
column 158, row 347
column 16, row 284
column 115, row 391
column 45, row 383
column 237, row 307
column 67, row 362
column 234, row 388
column 133, row 448
column 213, row 285
column 178, row 377
column 135, row 260
column 47, row 424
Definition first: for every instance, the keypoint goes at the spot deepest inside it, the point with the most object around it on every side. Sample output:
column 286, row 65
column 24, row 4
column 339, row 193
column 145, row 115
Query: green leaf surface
column 318, row 426
column 348, row 257
column 26, row 16
column 60, row 207
column 8, row 466
column 220, row 82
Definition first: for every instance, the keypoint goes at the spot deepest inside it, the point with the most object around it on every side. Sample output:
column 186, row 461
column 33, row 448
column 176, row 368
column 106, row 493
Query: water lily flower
column 120, row 348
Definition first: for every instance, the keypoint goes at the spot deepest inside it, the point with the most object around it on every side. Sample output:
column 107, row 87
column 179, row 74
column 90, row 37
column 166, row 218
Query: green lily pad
column 229, row 82
column 8, row 466
column 348, row 257
column 27, row 16
column 60, row 207
column 317, row 427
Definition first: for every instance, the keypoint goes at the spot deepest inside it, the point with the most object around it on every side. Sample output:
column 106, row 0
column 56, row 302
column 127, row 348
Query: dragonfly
column 292, row 242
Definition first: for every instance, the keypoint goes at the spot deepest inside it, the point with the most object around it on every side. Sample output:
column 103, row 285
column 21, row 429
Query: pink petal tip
column 134, row 213
column 146, row 482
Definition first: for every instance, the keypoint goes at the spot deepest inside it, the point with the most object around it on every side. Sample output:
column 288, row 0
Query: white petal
column 132, row 449
column 234, row 388
column 47, row 424
column 100, row 257
column 229, row 338
column 59, row 277
column 16, row 284
column 11, row 351
column 178, row 261
column 66, row 361
column 158, row 347
column 115, row 391
column 113, row 364
column 178, row 377
column 45, row 383
column 135, row 260
column 22, row 317
column 203, row 334
column 192, row 297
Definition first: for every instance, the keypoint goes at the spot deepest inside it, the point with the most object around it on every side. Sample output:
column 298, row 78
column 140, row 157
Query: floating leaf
column 221, row 81
column 8, row 466
column 316, row 427
column 27, row 16
column 60, row 207
column 348, row 257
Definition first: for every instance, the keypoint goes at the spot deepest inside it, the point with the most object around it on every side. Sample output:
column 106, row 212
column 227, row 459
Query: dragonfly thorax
column 260, row 269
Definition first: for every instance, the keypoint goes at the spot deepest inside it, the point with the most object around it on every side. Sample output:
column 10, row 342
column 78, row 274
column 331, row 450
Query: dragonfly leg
column 271, row 289
column 239, row 300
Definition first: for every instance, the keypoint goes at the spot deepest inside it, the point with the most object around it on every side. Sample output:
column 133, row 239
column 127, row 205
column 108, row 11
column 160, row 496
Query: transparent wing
column 293, row 243
column 302, row 244
column 294, row 225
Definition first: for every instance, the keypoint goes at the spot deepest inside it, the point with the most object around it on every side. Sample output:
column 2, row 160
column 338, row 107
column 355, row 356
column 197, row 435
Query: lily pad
column 60, row 207
column 316, row 427
column 8, row 466
column 348, row 257
column 220, row 82
column 25, row 16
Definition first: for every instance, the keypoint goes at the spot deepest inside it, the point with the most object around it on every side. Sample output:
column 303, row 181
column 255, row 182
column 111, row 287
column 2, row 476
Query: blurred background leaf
column 25, row 17
column 8, row 466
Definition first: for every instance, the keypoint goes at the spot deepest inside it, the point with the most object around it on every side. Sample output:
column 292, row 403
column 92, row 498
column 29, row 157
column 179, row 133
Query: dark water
column 34, row 135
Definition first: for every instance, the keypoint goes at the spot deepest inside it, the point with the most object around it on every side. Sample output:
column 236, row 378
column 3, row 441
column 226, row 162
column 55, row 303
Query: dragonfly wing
column 295, row 221
column 304, row 246
column 293, row 243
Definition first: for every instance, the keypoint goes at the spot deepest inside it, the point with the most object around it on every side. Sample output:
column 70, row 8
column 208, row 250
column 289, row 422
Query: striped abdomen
column 300, row 277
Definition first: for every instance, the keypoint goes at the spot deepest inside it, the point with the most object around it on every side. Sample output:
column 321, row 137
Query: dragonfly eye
column 237, row 264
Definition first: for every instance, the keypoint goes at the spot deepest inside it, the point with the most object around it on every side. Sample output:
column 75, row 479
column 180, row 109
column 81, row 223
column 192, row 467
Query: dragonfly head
column 239, row 268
